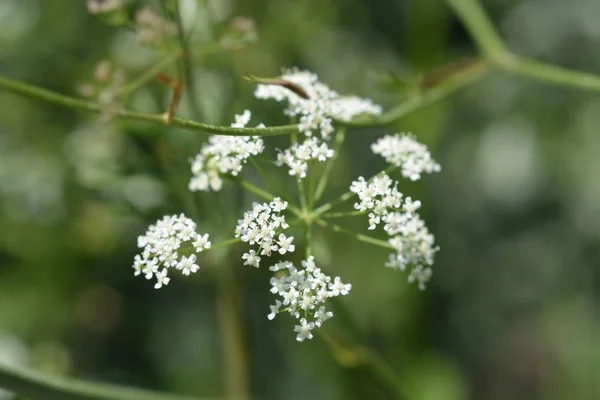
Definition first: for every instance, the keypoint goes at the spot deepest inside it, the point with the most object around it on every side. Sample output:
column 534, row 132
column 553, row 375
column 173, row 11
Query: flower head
column 170, row 243
column 303, row 292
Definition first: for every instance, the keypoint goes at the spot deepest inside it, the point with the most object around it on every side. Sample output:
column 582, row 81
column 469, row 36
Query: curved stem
column 490, row 43
column 354, row 356
column 273, row 186
column 35, row 92
column 358, row 236
column 343, row 214
column 225, row 243
column 34, row 385
column 266, row 195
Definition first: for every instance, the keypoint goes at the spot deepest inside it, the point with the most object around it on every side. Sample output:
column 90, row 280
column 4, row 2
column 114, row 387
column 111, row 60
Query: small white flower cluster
column 379, row 196
column 153, row 30
column 106, row 88
column 402, row 150
column 302, row 293
column 103, row 6
column 260, row 226
column 165, row 245
column 409, row 236
column 316, row 112
column 414, row 246
column 297, row 156
column 223, row 155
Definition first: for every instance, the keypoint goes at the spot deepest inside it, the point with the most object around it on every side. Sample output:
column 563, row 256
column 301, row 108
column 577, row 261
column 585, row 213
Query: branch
column 33, row 385
column 492, row 46
column 358, row 236
column 35, row 92
column 416, row 103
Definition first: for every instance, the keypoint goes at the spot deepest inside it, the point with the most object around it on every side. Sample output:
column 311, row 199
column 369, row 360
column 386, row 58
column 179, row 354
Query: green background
column 511, row 311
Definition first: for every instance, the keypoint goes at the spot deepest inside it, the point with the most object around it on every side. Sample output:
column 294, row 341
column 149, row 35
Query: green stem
column 35, row 92
column 480, row 27
column 225, row 243
column 186, row 64
column 354, row 356
column 266, row 195
column 551, row 74
column 492, row 46
column 358, row 236
column 34, row 385
column 232, row 338
column 270, row 183
column 344, row 214
column 339, row 140
column 426, row 98
column 148, row 75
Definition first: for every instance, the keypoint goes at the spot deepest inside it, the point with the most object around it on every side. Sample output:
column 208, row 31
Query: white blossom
column 303, row 292
column 413, row 243
column 403, row 151
column 251, row 258
column 223, row 155
column 304, row 330
column 315, row 114
column 285, row 244
column 260, row 226
column 170, row 243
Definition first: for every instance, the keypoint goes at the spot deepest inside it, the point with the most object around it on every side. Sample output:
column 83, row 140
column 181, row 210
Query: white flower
column 251, row 259
column 223, row 155
column 278, row 205
column 162, row 246
column 285, row 244
column 322, row 315
column 315, row 113
column 404, row 151
column 274, row 310
column 202, row 242
column 161, row 279
column 259, row 227
column 303, row 290
column 337, row 287
column 188, row 265
column 304, row 330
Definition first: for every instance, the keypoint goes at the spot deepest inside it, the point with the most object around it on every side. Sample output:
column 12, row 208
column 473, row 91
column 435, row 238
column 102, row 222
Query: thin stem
column 480, row 27
column 35, row 92
column 273, row 186
column 185, row 63
column 349, row 194
column 266, row 195
column 343, row 214
column 233, row 346
column 339, row 140
column 300, row 183
column 225, row 243
column 353, row 356
column 148, row 75
column 426, row 98
column 492, row 46
column 358, row 236
column 34, row 385
column 552, row 74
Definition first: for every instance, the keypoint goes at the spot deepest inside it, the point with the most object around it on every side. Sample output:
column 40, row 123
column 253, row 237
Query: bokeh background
column 512, row 310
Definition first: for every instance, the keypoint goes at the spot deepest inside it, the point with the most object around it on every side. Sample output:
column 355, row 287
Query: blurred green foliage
column 512, row 310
